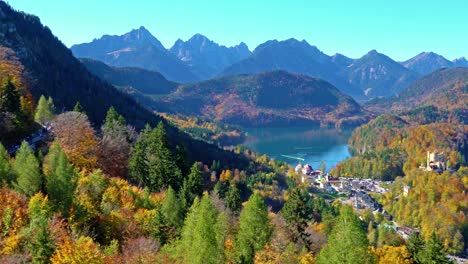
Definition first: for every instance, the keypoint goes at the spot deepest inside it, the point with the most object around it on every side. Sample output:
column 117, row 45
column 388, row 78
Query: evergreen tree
column 254, row 229
column 152, row 163
column 415, row 245
column 203, row 234
column 181, row 159
column 297, row 212
column 60, row 179
column 26, row 168
column 138, row 163
column 162, row 169
column 192, row 186
column 233, row 198
column 9, row 98
column 172, row 210
column 44, row 111
column 6, row 175
column 78, row 108
column 433, row 252
column 112, row 116
column 347, row 242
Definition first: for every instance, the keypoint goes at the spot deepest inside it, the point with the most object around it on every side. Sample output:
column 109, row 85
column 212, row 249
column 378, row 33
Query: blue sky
column 398, row 28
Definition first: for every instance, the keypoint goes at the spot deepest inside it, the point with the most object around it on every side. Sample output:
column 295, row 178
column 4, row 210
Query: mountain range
column 199, row 58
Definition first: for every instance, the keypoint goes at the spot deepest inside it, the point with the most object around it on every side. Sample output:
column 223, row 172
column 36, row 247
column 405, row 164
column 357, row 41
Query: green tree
column 433, row 252
column 9, row 98
column 44, row 111
column 78, row 108
column 233, row 198
column 26, row 168
column 138, row 163
column 60, row 179
column 203, row 234
column 172, row 210
column 297, row 212
column 112, row 116
column 192, row 186
column 254, row 229
column 152, row 162
column 40, row 244
column 163, row 171
column 347, row 242
column 6, row 175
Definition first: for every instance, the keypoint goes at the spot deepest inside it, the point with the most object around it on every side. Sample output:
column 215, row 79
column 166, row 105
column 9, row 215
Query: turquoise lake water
column 313, row 145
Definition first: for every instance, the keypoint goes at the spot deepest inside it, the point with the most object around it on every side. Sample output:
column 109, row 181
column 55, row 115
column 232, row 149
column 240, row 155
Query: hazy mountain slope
column 378, row 75
column 427, row 62
column 144, row 81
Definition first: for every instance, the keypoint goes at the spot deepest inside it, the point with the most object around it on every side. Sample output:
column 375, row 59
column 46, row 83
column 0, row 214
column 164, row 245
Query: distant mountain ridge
column 207, row 58
column 199, row 58
column 137, row 48
column 427, row 62
column 378, row 75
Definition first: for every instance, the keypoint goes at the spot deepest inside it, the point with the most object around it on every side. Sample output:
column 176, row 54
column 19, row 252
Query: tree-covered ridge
column 266, row 99
column 389, row 146
column 145, row 81
column 213, row 132
column 445, row 89
column 434, row 203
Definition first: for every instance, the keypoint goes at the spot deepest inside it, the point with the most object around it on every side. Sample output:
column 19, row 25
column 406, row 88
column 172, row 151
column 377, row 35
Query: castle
column 436, row 161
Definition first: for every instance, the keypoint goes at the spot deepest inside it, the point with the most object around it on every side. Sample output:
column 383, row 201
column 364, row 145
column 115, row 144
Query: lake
column 313, row 145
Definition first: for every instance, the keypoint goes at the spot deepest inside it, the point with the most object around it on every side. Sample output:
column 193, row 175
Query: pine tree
column 297, row 212
column 254, row 229
column 415, row 246
column 26, row 168
column 433, row 252
column 44, row 111
column 78, row 108
column 192, row 186
column 60, row 179
column 113, row 117
column 181, row 159
column 233, row 198
column 6, row 175
column 172, row 210
column 203, row 234
column 9, row 98
column 347, row 242
column 138, row 163
column 163, row 171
